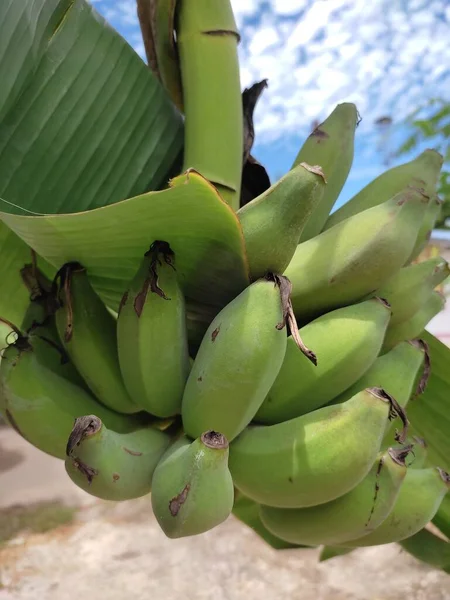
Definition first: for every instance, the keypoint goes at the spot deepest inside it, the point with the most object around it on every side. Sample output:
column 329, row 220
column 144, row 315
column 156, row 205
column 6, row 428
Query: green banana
column 419, row 452
column 42, row 302
column 247, row 512
column 88, row 331
column 237, row 361
column 346, row 342
column 330, row 145
column 354, row 514
column 418, row 501
column 403, row 373
column 429, row 548
column 272, row 223
column 314, row 458
column 396, row 372
column 411, row 286
column 354, row 258
column 152, row 335
column 192, row 489
column 40, row 404
column 431, row 216
column 328, row 552
column 58, row 361
column 39, row 320
column 110, row 465
column 414, row 326
column 422, row 172
column 198, row 319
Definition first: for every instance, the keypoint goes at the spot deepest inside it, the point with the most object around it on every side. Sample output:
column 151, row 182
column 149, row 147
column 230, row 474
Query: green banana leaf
column 201, row 228
column 247, row 512
column 83, row 121
column 430, row 418
column 442, row 518
column 429, row 548
column 430, row 413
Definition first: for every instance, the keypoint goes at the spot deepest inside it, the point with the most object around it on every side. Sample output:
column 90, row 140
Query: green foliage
column 430, row 413
column 83, row 122
column 431, row 124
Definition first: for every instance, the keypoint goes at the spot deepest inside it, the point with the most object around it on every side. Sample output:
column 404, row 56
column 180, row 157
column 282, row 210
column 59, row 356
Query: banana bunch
column 291, row 413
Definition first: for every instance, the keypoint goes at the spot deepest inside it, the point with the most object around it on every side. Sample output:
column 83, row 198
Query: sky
column 386, row 56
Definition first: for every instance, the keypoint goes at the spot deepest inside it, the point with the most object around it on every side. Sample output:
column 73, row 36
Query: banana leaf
column 429, row 548
column 83, row 122
column 429, row 413
column 247, row 512
column 442, row 518
column 200, row 227
column 430, row 418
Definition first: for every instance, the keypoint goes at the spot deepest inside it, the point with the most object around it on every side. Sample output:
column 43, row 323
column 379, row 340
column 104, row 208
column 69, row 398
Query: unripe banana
column 414, row 326
column 418, row 455
column 403, row 373
column 58, row 361
column 192, row 489
column 39, row 320
column 396, row 372
column 354, row 514
column 110, row 465
column 40, row 404
column 198, row 319
column 328, row 552
column 43, row 340
column 346, row 342
column 354, row 258
column 237, row 362
column 418, row 501
column 422, row 172
column 272, row 223
column 42, row 302
column 314, row 458
column 247, row 511
column 88, row 331
column 411, row 286
column 431, row 216
column 429, row 548
column 331, row 146
column 152, row 335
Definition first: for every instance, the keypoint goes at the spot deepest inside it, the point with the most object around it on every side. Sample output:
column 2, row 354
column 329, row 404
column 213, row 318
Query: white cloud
column 385, row 56
column 263, row 39
column 288, row 7
column 311, row 22
column 372, row 53
column 244, row 9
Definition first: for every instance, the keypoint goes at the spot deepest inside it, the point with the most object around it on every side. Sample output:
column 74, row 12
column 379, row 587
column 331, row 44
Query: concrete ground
column 117, row 552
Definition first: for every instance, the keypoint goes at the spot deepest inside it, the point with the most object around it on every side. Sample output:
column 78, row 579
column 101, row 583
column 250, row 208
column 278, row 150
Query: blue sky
column 386, row 56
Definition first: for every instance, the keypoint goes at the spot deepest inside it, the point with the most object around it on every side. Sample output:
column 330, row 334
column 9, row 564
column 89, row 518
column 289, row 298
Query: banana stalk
column 166, row 50
column 207, row 40
column 156, row 20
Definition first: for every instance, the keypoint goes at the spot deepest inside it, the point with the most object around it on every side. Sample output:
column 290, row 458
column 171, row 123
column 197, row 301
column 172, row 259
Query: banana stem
column 207, row 40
